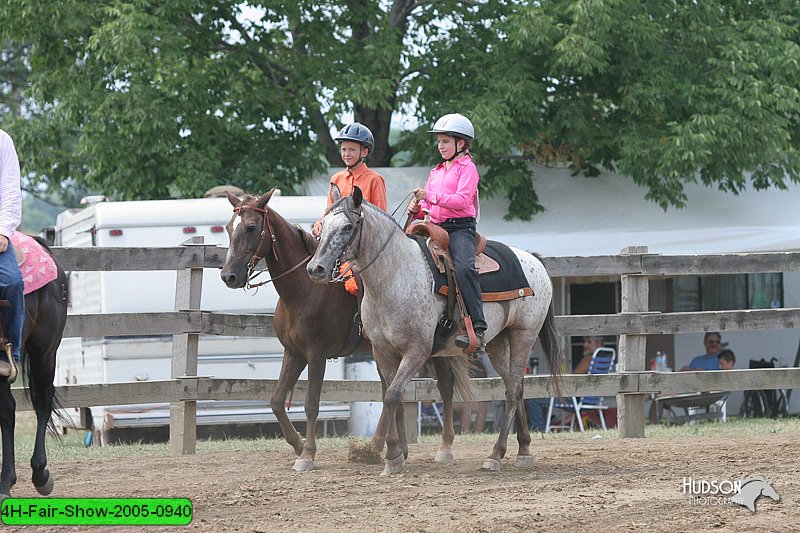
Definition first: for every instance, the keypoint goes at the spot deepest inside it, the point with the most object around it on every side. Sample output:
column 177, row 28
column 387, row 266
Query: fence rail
column 631, row 384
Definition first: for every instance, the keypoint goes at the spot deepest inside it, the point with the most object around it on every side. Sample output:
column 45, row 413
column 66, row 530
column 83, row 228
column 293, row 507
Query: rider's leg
column 462, row 250
column 11, row 289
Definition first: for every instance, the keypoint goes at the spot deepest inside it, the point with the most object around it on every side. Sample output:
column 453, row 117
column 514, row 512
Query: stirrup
column 8, row 368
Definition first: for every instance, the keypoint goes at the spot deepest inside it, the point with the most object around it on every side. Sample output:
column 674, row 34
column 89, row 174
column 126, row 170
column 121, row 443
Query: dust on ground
column 603, row 484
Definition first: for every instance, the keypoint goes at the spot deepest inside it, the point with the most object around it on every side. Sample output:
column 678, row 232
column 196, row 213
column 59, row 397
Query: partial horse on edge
column 45, row 318
column 400, row 313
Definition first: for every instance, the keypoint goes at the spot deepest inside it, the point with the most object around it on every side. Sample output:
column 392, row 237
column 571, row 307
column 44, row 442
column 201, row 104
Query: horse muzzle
column 233, row 280
column 318, row 272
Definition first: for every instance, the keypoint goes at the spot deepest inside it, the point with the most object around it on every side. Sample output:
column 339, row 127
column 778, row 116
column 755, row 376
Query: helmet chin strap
column 455, row 155
column 462, row 151
column 360, row 160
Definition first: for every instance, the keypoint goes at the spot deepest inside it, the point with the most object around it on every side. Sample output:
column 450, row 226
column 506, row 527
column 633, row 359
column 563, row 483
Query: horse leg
column 379, row 438
column 524, row 457
column 445, row 380
column 515, row 347
column 397, row 376
column 316, row 371
column 42, row 398
column 293, row 365
column 8, row 473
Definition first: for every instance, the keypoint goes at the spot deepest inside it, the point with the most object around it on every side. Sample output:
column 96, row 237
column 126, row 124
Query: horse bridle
column 265, row 226
column 342, row 277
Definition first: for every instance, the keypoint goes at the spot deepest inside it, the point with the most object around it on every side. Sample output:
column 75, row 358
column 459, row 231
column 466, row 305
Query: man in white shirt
column 11, row 285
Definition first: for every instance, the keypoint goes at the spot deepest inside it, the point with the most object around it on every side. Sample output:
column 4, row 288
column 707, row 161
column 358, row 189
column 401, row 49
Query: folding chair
column 602, row 362
column 427, row 414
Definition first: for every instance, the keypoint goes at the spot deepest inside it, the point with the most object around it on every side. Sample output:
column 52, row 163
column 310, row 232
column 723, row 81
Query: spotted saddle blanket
column 37, row 266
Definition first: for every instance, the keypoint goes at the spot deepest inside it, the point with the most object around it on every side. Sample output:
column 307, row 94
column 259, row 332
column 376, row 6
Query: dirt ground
column 605, row 484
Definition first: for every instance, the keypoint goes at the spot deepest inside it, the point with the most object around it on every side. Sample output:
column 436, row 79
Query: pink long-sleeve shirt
column 452, row 192
column 10, row 193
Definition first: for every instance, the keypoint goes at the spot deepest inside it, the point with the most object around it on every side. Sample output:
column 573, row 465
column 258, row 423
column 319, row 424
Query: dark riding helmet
column 359, row 133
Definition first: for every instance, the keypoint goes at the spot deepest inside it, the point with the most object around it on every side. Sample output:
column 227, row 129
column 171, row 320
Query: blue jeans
column 536, row 409
column 11, row 289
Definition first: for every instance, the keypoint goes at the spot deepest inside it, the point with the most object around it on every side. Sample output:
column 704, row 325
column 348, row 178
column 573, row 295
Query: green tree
column 13, row 79
column 665, row 92
column 165, row 98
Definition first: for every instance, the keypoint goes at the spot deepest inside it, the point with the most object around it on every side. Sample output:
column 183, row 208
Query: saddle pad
column 508, row 283
column 38, row 268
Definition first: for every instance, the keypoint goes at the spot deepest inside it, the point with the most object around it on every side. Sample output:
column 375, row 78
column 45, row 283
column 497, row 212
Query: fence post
column 410, row 421
column 183, row 414
column 635, row 290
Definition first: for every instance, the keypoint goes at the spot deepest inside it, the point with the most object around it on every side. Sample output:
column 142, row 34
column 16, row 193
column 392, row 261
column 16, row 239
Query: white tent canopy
column 603, row 215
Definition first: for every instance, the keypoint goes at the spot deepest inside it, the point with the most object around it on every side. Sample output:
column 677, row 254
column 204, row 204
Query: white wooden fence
column 631, row 383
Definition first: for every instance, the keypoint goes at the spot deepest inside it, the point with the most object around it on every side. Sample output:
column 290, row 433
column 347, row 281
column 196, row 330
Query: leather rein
column 266, row 227
column 337, row 277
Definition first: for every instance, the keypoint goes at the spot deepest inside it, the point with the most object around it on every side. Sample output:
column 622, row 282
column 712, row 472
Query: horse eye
column 348, row 227
column 250, row 229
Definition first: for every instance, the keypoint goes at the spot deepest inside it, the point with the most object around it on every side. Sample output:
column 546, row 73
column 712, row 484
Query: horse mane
column 305, row 237
column 364, row 203
column 308, row 240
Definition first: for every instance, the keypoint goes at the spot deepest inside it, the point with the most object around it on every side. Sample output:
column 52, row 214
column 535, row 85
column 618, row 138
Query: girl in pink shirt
column 451, row 195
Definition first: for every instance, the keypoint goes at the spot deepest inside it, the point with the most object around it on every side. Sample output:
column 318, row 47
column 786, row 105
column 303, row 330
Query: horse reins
column 265, row 226
column 341, row 277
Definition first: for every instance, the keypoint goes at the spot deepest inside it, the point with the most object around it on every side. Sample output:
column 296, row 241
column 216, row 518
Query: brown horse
column 312, row 321
column 45, row 318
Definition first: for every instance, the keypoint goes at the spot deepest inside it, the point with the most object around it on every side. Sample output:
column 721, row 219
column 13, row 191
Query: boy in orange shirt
column 355, row 142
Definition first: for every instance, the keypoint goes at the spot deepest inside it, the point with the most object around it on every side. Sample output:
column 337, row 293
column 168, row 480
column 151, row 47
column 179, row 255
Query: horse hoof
column 303, row 465
column 4, row 496
column 47, row 488
column 394, row 466
column 445, row 458
column 524, row 461
column 491, row 465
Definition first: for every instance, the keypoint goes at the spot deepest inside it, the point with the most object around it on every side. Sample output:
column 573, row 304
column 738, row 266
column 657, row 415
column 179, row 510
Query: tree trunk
column 379, row 123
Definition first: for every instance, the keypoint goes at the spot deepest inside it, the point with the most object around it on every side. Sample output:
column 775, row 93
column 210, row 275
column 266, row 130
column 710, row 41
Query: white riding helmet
column 454, row 124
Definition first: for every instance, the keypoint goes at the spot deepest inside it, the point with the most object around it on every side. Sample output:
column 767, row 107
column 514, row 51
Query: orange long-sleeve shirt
column 372, row 184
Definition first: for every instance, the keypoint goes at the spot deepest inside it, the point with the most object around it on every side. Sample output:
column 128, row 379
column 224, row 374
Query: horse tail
column 460, row 367
column 42, row 395
column 551, row 345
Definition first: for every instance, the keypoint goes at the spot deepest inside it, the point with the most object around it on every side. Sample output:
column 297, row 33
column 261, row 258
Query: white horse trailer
column 168, row 223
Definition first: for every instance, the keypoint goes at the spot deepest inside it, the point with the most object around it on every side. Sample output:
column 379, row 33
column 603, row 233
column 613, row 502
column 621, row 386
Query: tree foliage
column 169, row 98
column 666, row 92
column 147, row 99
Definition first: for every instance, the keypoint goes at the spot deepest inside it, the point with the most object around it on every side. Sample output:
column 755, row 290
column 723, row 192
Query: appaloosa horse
column 312, row 321
column 45, row 318
column 400, row 313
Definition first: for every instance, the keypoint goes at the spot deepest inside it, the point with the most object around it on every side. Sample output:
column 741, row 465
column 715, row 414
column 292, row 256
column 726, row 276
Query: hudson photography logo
column 743, row 492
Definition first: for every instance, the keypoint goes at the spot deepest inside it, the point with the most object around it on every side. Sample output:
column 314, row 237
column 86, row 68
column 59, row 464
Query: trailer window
column 728, row 291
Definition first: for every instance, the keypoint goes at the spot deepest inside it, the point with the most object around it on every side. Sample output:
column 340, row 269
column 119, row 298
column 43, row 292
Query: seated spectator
column 590, row 345
column 726, row 359
column 707, row 361
column 536, row 408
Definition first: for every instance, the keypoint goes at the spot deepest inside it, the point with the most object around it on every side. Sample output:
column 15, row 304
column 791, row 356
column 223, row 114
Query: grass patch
column 71, row 447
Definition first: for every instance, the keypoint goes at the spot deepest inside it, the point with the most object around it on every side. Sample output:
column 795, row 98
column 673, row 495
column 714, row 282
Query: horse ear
column 336, row 193
column 262, row 201
column 358, row 197
column 232, row 198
